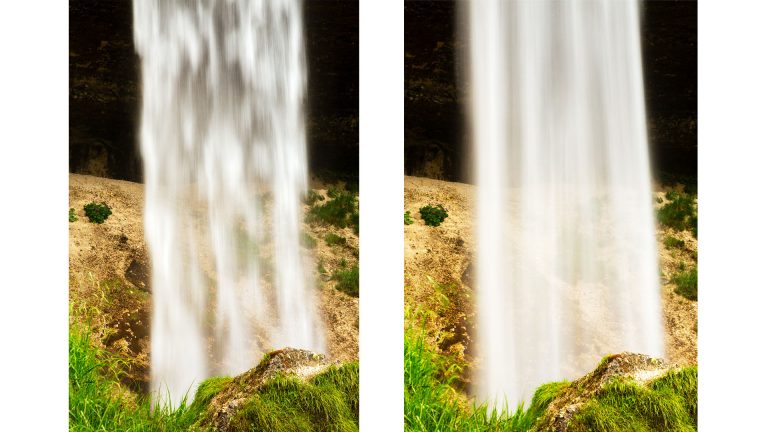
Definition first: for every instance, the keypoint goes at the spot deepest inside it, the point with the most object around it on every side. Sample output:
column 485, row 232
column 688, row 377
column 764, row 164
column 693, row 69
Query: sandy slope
column 444, row 254
column 110, row 278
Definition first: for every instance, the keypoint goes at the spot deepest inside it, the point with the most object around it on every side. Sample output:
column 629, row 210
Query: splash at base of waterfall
column 567, row 266
column 223, row 144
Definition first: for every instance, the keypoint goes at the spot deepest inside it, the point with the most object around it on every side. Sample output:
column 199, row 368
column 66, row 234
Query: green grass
column 312, row 197
column 355, row 222
column 433, row 404
column 97, row 403
column 332, row 239
column 407, row 219
column 321, row 267
column 680, row 213
column 433, row 216
column 347, row 280
column 686, row 282
column 327, row 402
column 340, row 210
column 669, row 403
column 97, row 213
column 672, row 242
column 72, row 215
column 308, row 241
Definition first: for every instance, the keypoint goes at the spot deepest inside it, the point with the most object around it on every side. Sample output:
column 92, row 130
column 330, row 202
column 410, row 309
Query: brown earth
column 438, row 273
column 110, row 276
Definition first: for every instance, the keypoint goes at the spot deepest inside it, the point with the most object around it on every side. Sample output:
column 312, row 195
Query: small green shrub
column 339, row 211
column 97, row 213
column 312, row 197
column 308, row 241
column 321, row 267
column 680, row 213
column 72, row 215
column 348, row 281
column 433, row 216
column 332, row 239
column 407, row 219
column 355, row 221
column 687, row 283
column 672, row 242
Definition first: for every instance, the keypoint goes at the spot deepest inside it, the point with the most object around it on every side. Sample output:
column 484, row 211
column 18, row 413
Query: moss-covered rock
column 289, row 390
column 626, row 392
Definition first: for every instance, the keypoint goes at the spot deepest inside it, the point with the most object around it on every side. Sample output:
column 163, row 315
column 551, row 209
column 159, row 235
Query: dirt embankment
column 110, row 278
column 438, row 272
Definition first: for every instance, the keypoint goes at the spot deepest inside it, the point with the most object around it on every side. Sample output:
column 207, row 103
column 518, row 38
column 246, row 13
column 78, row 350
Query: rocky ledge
column 625, row 392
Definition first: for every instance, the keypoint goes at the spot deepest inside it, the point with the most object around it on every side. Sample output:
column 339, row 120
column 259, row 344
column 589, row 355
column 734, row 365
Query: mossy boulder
column 291, row 389
column 626, row 392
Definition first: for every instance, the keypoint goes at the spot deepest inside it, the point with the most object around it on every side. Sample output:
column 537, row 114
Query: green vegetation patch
column 680, row 213
column 672, row 242
column 432, row 403
column 72, row 215
column 669, row 403
column 98, row 403
column 332, row 239
column 327, row 402
column 686, row 282
column 433, row 216
column 348, row 280
column 407, row 219
column 308, row 241
column 340, row 210
column 312, row 197
column 97, row 213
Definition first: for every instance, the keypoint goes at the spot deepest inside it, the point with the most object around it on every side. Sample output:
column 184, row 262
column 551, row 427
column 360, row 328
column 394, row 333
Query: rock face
column 104, row 83
column 436, row 96
column 637, row 367
column 288, row 361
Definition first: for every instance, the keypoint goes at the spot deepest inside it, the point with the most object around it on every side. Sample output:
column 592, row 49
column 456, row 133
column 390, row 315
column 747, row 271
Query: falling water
column 223, row 143
column 566, row 262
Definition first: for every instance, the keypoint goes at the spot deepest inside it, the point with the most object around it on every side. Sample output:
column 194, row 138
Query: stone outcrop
column 288, row 361
column 637, row 367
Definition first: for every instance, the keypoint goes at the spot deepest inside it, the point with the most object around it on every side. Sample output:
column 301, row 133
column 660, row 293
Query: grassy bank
column 97, row 402
column 432, row 403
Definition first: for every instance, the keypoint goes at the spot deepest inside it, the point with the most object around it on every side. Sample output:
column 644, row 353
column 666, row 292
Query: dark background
column 434, row 100
column 105, row 89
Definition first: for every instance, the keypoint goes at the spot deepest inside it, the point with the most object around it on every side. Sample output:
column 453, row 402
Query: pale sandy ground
column 110, row 278
column 444, row 254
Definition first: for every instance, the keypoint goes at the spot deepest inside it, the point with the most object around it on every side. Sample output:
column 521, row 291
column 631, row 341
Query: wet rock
column 138, row 274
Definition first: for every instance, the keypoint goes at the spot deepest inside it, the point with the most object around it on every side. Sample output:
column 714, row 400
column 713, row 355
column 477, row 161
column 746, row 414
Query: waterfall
column 567, row 267
column 223, row 144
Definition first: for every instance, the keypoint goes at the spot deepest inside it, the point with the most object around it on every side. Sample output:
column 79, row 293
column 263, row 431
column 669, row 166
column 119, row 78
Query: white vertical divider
column 33, row 230
column 733, row 152
column 381, row 207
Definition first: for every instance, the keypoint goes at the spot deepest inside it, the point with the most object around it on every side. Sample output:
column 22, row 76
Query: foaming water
column 223, row 143
column 567, row 269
